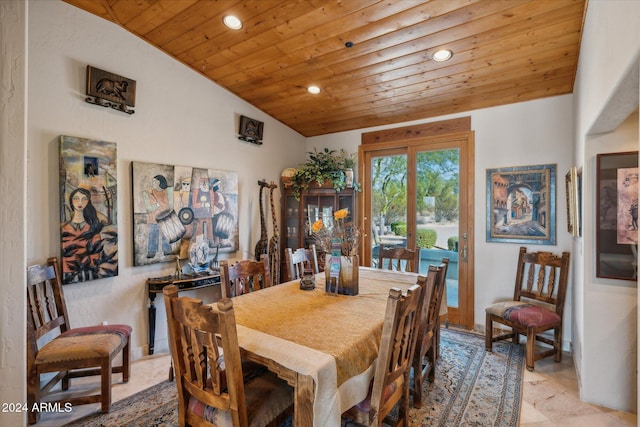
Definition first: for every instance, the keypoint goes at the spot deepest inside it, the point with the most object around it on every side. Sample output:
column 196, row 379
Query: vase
column 347, row 275
column 348, row 177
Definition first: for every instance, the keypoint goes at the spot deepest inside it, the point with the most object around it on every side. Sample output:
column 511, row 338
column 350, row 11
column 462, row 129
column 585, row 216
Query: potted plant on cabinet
column 324, row 168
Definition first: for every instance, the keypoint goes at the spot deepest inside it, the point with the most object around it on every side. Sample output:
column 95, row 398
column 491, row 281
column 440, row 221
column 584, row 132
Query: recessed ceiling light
column 442, row 55
column 232, row 22
column 313, row 89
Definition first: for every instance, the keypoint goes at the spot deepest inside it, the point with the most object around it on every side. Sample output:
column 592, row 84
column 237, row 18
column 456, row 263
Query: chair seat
column 267, row 397
column 125, row 330
column 525, row 314
column 80, row 346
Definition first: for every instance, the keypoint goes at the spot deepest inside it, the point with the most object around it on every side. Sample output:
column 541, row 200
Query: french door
column 419, row 193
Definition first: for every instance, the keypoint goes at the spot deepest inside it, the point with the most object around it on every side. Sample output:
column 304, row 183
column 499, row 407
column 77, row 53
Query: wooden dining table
column 324, row 345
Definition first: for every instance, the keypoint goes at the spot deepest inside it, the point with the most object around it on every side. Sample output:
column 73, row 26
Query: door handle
column 464, row 253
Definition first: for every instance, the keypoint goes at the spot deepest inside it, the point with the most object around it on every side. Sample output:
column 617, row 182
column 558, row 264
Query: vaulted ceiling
column 504, row 51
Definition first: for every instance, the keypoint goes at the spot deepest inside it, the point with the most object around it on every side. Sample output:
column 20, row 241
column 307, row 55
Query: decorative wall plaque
column 110, row 90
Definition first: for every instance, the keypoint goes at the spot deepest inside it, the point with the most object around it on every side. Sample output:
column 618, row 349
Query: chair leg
column 126, row 362
column 417, row 382
column 33, row 396
column 105, row 380
column 557, row 343
column 531, row 349
column 431, row 355
column 488, row 333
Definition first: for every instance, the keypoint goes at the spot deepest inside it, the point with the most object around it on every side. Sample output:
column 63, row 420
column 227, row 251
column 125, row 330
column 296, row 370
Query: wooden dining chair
column 399, row 259
column 426, row 349
column 54, row 346
column 244, row 276
column 213, row 387
column 300, row 260
column 537, row 305
column 444, row 310
column 390, row 385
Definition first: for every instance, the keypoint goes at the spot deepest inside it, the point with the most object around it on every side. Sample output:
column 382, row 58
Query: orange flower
column 342, row 213
column 317, row 226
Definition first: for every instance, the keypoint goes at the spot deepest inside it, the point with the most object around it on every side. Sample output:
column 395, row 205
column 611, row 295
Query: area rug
column 472, row 388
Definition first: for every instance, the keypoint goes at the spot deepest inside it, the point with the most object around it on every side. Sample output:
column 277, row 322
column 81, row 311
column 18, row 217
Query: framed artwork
column 617, row 215
column 174, row 205
column 573, row 202
column 88, row 209
column 521, row 204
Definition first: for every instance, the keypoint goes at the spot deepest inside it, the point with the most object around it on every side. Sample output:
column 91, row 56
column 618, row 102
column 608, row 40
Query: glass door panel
column 388, row 203
column 437, row 213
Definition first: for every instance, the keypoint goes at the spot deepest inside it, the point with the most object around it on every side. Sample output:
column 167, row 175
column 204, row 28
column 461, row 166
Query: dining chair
column 399, row 259
column 426, row 349
column 300, row 260
column 244, row 276
column 213, row 387
column 54, row 346
column 444, row 309
column 537, row 305
column 390, row 384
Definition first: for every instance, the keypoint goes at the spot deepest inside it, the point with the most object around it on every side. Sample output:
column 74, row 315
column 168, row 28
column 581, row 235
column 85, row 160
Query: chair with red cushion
column 390, row 385
column 53, row 346
column 537, row 305
column 214, row 388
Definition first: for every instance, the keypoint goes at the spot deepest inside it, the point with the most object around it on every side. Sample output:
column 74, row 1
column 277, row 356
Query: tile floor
column 550, row 396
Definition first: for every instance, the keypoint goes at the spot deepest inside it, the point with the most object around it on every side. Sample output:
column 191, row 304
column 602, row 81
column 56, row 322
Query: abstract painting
column 176, row 203
column 88, row 209
column 521, row 204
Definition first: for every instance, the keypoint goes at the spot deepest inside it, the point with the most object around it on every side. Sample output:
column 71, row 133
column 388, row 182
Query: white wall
column 180, row 118
column 527, row 133
column 13, row 167
column 606, row 94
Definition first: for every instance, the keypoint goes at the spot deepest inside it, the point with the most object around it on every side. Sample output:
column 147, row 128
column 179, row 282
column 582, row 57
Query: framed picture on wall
column 573, row 210
column 521, row 204
column 617, row 216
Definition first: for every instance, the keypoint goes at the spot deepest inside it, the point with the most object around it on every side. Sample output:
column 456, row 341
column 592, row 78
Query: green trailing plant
column 323, row 166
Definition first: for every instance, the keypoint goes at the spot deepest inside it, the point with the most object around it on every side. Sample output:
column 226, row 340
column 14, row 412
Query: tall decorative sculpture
column 274, row 242
column 261, row 246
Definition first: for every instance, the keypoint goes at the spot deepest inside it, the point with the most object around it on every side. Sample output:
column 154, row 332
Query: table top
column 333, row 338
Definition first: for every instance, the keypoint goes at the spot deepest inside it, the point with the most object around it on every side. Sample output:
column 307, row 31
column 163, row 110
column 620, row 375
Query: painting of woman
column 81, row 240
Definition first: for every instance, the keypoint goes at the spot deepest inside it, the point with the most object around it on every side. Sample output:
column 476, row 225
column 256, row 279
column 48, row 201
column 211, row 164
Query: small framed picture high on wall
column 617, row 216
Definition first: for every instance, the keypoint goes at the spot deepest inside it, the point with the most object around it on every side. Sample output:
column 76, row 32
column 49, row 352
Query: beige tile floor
column 550, row 396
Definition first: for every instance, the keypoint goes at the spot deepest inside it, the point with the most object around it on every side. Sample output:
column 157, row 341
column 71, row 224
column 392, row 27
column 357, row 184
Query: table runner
column 333, row 338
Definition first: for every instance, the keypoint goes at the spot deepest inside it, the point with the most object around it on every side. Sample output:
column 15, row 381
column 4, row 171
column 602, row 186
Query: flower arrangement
column 341, row 232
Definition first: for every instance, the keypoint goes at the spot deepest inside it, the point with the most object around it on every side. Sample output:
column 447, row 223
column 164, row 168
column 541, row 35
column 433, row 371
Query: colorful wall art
column 176, row 203
column 88, row 203
column 521, row 205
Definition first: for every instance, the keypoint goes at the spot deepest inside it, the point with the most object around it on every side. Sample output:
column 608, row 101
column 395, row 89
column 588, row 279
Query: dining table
column 323, row 344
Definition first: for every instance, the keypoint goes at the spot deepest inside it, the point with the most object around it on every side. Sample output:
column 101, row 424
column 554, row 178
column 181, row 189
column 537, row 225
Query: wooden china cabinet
column 298, row 215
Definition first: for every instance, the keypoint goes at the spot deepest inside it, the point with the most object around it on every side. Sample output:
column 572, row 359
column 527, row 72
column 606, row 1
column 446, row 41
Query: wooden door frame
column 408, row 141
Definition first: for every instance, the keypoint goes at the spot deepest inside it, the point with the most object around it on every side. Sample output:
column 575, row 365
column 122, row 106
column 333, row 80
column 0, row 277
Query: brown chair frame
column 392, row 258
column 541, row 280
column 393, row 366
column 50, row 338
column 300, row 260
column 200, row 338
column 426, row 350
column 244, row 276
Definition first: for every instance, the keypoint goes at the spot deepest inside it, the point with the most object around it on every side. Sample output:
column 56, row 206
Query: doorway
column 418, row 192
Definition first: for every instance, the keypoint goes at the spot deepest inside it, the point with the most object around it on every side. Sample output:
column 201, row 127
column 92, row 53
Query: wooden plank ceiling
column 504, row 51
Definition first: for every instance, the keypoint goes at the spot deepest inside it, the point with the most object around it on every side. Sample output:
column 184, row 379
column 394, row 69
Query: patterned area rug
column 472, row 388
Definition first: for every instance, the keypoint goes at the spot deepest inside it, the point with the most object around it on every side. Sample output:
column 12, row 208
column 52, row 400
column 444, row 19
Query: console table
column 183, row 282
